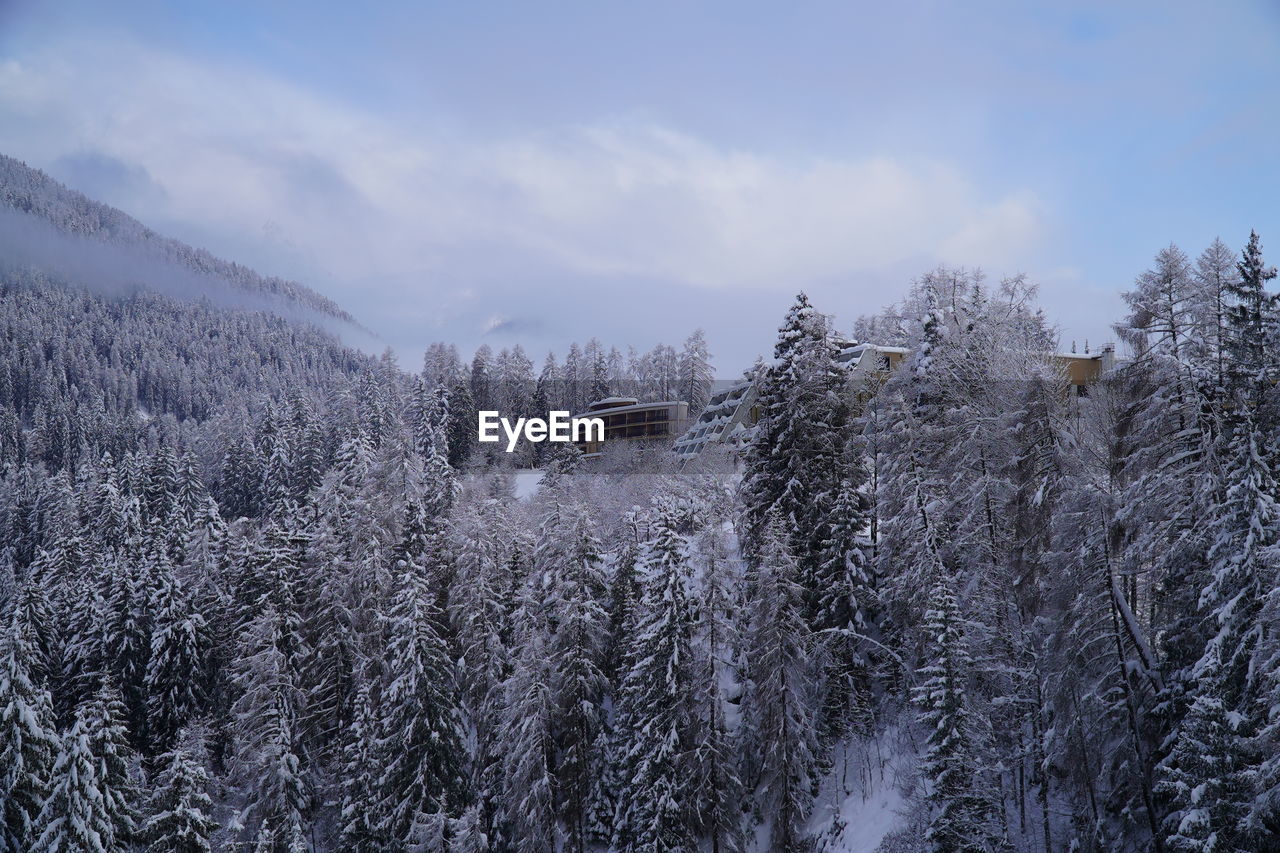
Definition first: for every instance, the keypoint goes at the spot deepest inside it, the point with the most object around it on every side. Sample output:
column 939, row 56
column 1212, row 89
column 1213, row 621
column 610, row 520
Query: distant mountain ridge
column 31, row 191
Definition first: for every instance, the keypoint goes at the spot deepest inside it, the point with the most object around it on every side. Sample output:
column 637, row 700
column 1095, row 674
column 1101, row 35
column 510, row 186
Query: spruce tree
column 117, row 769
column 28, row 744
column 1264, row 817
column 127, row 637
column 83, row 658
column 717, row 787
column 268, row 764
column 778, row 703
column 420, row 737
column 179, row 643
column 481, row 378
column 358, row 823
column 74, row 816
column 328, row 667
column 528, row 747
column 1204, row 788
column 566, row 565
column 462, row 423
column 480, row 613
column 793, row 465
column 1244, row 557
column 624, row 595
column 1251, row 327
column 180, row 819
column 241, row 489
column 960, row 813
column 657, row 707
column 468, row 834
column 36, row 616
column 847, row 605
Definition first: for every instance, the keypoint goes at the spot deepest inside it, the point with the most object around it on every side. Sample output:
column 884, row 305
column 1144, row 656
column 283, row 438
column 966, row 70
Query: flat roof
column 1083, row 356
column 634, row 407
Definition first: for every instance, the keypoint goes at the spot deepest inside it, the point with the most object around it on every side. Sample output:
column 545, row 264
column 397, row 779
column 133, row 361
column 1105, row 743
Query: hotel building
column 627, row 419
column 732, row 412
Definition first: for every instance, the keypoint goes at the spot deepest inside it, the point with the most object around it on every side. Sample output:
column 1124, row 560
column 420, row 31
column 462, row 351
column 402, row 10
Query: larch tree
column 696, row 373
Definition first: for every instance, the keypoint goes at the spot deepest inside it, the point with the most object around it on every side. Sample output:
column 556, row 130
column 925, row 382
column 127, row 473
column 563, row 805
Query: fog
column 28, row 242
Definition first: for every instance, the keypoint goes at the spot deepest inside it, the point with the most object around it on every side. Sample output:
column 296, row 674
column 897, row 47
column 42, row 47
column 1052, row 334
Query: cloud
column 644, row 200
column 31, row 243
column 509, row 326
column 109, row 179
column 267, row 170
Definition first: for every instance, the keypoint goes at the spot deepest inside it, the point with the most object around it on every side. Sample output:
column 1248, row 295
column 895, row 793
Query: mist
column 30, row 243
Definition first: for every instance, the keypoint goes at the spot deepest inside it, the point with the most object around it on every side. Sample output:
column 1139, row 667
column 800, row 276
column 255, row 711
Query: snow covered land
column 261, row 591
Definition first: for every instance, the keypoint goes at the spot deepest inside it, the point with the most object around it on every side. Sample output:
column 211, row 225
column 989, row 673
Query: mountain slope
column 114, row 338
column 32, row 193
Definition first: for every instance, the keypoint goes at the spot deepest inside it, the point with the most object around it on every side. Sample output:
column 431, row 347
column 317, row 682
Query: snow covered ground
column 867, row 821
column 527, row 480
column 861, row 800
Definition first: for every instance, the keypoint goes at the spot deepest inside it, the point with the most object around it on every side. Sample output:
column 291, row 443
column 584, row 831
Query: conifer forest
column 263, row 591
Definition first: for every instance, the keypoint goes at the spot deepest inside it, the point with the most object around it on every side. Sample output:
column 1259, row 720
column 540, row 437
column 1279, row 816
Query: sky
column 538, row 173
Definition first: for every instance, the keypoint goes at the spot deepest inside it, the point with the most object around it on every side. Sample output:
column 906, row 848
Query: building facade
column 729, row 416
column 1084, row 370
column 732, row 413
column 627, row 419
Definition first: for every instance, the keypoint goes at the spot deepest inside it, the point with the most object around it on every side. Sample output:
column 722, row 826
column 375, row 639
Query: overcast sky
column 543, row 172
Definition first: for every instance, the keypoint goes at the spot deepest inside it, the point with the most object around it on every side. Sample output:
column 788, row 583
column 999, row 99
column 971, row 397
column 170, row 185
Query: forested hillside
column 30, row 192
column 259, row 591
